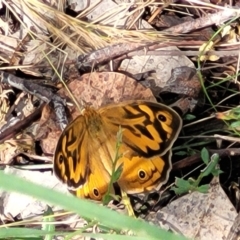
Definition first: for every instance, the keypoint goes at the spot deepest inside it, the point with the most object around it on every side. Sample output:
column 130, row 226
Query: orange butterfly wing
column 77, row 160
column 149, row 130
column 87, row 147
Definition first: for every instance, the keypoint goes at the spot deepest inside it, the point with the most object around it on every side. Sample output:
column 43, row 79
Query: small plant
column 116, row 173
column 190, row 185
column 233, row 115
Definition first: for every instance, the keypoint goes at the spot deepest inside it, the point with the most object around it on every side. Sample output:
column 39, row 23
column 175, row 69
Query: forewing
column 71, row 160
column 149, row 128
column 82, row 159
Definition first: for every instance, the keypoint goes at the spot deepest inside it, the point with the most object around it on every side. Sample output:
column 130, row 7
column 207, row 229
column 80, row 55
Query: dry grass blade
column 79, row 35
column 124, row 10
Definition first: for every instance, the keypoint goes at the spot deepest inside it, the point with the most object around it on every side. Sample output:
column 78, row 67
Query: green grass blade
column 86, row 209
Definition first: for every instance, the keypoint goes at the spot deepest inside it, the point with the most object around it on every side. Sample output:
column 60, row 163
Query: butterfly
column 86, row 149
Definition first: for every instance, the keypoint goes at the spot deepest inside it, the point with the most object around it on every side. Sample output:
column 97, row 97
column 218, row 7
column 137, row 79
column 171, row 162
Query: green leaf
column 48, row 217
column 23, row 233
column 181, row 153
column 182, row 186
column 217, row 172
column 211, row 166
column 235, row 124
column 117, row 173
column 107, row 198
column 236, row 110
column 192, row 181
column 203, row 188
column 205, row 156
column 189, row 117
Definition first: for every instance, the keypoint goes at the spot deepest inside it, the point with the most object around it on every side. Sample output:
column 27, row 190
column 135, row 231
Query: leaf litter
column 155, row 39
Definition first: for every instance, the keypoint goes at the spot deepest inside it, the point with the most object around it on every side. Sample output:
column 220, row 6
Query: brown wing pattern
column 87, row 147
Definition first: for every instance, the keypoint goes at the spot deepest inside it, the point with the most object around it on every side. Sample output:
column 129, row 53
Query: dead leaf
column 26, row 205
column 97, row 89
column 197, row 215
column 13, row 147
column 162, row 65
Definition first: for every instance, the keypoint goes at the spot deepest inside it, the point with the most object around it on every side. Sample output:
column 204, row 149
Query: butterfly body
column 87, row 148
